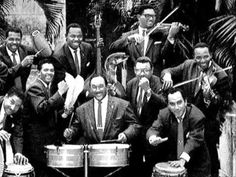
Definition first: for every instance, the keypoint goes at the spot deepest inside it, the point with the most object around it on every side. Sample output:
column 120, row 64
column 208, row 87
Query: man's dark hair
column 43, row 61
column 72, row 25
column 144, row 7
column 16, row 92
column 144, row 59
column 201, row 45
column 13, row 29
column 98, row 75
column 174, row 90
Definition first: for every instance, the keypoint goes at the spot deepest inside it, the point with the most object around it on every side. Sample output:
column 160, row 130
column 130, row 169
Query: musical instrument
column 41, row 44
column 164, row 169
column 1, row 161
column 109, row 155
column 65, row 156
column 14, row 170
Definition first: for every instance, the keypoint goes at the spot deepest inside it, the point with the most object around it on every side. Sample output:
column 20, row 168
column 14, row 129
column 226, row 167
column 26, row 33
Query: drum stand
column 110, row 174
column 86, row 160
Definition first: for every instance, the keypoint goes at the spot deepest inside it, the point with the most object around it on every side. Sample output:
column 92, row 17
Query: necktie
column 99, row 123
column 180, row 140
column 77, row 61
column 17, row 80
column 143, row 42
column 140, row 101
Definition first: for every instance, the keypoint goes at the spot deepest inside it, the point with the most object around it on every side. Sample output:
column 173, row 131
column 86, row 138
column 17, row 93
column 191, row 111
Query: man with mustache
column 180, row 129
column 210, row 93
column 18, row 59
column 137, row 43
column 40, row 116
column 11, row 127
column 103, row 118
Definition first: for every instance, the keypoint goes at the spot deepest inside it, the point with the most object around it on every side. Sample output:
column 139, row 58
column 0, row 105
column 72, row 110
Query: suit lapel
column 150, row 41
column 110, row 109
column 70, row 59
column 6, row 57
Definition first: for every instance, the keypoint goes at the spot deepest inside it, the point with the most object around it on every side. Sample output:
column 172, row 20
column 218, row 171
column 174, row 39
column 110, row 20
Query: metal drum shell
column 163, row 169
column 14, row 170
column 65, row 156
column 109, row 155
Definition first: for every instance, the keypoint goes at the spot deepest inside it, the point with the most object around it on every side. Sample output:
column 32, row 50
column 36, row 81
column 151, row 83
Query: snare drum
column 14, row 170
column 109, row 155
column 65, row 156
column 164, row 169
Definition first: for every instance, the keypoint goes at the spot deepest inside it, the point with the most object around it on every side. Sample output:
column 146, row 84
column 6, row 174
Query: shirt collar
column 73, row 50
column 10, row 52
column 104, row 100
column 182, row 117
column 46, row 85
column 140, row 29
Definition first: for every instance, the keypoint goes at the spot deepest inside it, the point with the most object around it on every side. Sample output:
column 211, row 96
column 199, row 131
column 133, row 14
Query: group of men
column 161, row 122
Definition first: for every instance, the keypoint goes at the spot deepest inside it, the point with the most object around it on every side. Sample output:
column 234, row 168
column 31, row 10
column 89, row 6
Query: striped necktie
column 180, row 140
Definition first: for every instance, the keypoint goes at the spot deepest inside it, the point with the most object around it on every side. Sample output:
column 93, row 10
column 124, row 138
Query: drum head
column 19, row 169
column 1, row 161
column 109, row 146
column 64, row 146
column 166, row 168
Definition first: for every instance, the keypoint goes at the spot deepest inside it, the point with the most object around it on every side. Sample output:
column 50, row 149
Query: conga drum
column 109, row 155
column 65, row 156
column 164, row 169
column 14, row 170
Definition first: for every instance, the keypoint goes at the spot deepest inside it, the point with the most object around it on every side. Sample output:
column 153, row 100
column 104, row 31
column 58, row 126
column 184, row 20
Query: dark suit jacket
column 40, row 120
column 189, row 70
column 156, row 44
column 65, row 58
column 17, row 70
column 166, row 125
column 120, row 118
column 3, row 77
column 13, row 125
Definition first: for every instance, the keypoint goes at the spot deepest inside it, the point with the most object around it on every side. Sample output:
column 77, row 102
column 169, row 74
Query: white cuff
column 185, row 156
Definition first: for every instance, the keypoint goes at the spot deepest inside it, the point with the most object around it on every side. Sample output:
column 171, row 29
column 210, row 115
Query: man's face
column 143, row 70
column 177, row 104
column 98, row 88
column 74, row 37
column 13, row 41
column 202, row 57
column 11, row 104
column 47, row 72
column 147, row 19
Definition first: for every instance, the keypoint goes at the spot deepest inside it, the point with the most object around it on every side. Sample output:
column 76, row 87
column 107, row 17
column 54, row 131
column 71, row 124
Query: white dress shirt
column 17, row 56
column 146, row 38
column 78, row 55
column 104, row 110
column 2, row 117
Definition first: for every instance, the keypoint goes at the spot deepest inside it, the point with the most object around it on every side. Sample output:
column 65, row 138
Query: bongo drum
column 65, row 156
column 164, row 169
column 109, row 155
column 14, row 170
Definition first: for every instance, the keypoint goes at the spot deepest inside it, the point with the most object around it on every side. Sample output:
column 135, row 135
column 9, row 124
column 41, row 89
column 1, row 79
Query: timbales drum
column 109, row 155
column 65, row 156
column 164, row 169
column 14, row 170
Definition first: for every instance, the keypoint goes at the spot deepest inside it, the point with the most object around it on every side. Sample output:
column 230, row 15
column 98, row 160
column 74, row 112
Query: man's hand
column 62, row 87
column 177, row 163
column 122, row 138
column 144, row 84
column 174, row 29
column 167, row 81
column 100, row 42
column 137, row 38
column 155, row 140
column 27, row 61
column 4, row 135
column 68, row 133
column 20, row 159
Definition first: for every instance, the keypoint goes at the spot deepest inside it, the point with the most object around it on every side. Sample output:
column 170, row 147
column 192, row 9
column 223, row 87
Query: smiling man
column 210, row 93
column 180, row 129
column 40, row 118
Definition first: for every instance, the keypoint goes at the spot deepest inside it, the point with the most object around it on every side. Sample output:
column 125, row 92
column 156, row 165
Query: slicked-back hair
column 13, row 29
column 13, row 91
column 144, row 59
column 174, row 90
column 72, row 25
column 43, row 61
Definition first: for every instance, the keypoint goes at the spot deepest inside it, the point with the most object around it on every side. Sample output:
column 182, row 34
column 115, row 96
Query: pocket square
column 117, row 118
column 88, row 64
column 157, row 42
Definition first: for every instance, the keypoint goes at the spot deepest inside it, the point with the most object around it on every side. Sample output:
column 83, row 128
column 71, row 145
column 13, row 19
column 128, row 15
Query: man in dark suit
column 137, row 43
column 147, row 86
column 114, row 120
column 11, row 128
column 40, row 116
column 18, row 59
column 76, row 56
column 210, row 92
column 180, row 127
column 3, row 77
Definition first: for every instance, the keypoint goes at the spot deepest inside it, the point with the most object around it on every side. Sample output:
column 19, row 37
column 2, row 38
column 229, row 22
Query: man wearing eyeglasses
column 137, row 43
column 142, row 92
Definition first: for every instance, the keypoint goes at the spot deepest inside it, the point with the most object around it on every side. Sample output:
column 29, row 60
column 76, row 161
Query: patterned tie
column 17, row 80
column 180, row 140
column 143, row 42
column 77, row 61
column 99, row 123
column 140, row 101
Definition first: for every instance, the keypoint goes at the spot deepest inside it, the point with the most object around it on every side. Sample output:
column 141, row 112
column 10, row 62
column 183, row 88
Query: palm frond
column 53, row 10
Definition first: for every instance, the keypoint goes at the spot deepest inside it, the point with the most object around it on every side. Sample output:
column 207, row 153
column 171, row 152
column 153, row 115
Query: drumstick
column 71, row 119
column 109, row 141
column 36, row 55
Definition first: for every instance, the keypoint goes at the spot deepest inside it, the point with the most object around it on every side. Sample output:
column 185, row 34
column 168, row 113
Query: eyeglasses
column 205, row 57
column 149, row 15
column 146, row 71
